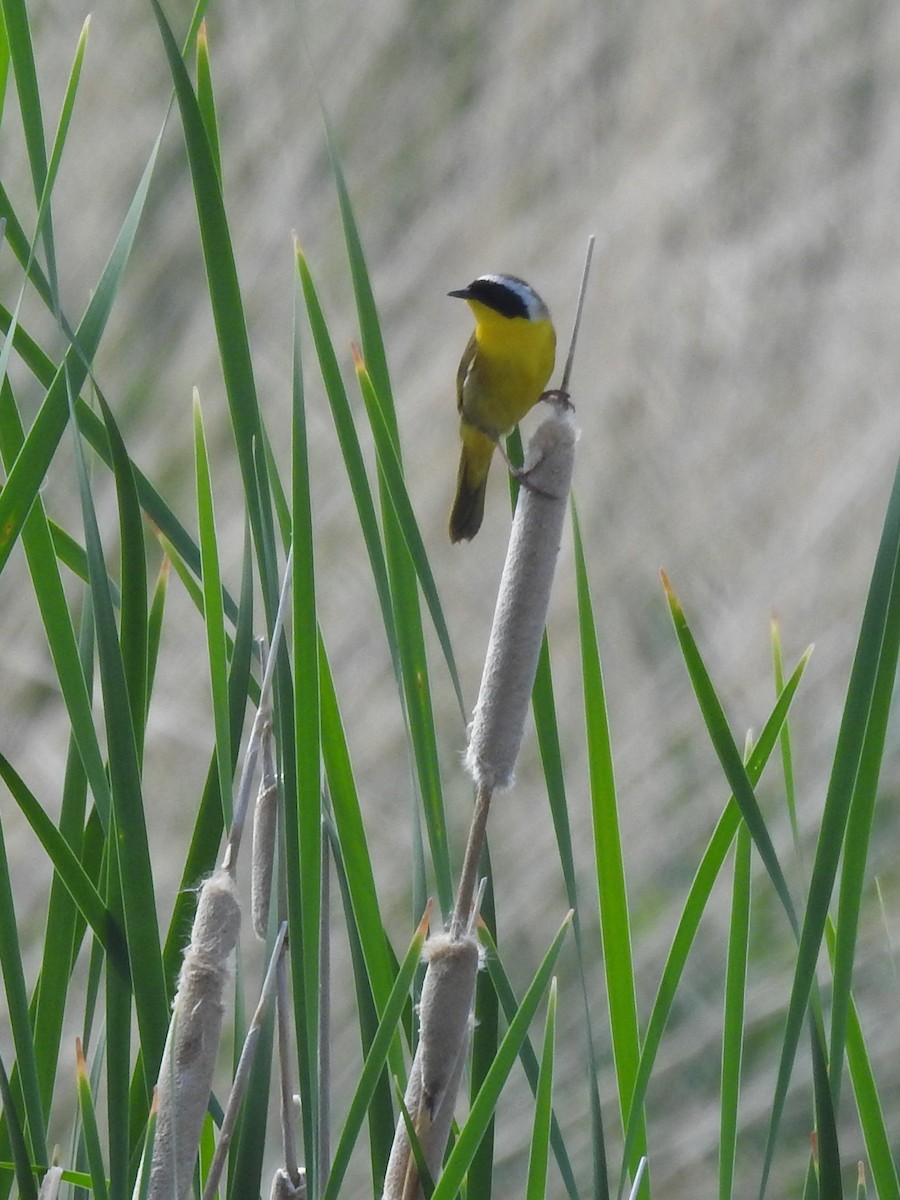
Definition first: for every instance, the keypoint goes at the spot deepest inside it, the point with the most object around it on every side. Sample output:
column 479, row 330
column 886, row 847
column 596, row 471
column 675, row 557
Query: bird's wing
column 463, row 373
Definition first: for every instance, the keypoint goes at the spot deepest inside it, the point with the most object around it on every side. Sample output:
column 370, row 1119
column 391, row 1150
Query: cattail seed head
column 186, row 1071
column 519, row 618
column 265, row 825
column 445, row 1008
column 445, row 1012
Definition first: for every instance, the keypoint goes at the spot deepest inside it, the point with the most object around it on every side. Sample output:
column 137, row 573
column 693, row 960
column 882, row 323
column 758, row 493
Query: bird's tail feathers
column 471, row 485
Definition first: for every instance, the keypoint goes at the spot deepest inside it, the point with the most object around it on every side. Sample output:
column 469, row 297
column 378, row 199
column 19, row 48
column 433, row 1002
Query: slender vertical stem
column 469, row 874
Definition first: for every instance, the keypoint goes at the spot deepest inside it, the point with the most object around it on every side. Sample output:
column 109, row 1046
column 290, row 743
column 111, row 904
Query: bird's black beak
column 462, row 294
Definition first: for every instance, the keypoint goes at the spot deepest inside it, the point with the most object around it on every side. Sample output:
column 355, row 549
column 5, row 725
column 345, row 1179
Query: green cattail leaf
column 869, row 663
column 12, row 971
column 126, row 1107
column 380, row 1114
column 735, row 999
column 17, row 239
column 698, row 898
column 304, row 824
column 406, row 619
column 209, row 822
column 348, row 824
column 65, row 924
column 16, row 1134
column 485, row 1037
column 728, row 753
column 228, row 312
column 787, row 757
column 213, row 611
column 733, row 767
column 610, row 867
column 131, row 846
column 547, row 727
column 859, row 831
column 155, row 622
column 53, row 605
column 539, row 1152
column 142, row 1189
column 42, row 223
column 367, row 310
column 396, row 586
column 510, row 1005
column 868, row 1103
column 351, row 451
column 89, row 1126
column 21, row 52
column 395, row 484
column 68, row 867
column 27, row 473
column 134, row 618
column 206, row 99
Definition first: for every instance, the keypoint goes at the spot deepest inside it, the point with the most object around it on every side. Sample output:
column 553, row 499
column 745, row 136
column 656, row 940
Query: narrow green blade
column 610, row 867
column 213, row 611
column 13, row 973
column 697, row 899
column 867, row 664
column 27, row 473
column 735, row 998
column 539, row 1153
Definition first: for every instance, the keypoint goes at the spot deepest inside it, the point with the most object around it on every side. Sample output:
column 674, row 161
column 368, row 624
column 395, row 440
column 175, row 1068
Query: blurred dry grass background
column 737, row 386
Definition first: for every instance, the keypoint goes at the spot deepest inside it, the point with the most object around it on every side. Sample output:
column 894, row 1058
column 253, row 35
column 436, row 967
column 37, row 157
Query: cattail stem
column 469, row 874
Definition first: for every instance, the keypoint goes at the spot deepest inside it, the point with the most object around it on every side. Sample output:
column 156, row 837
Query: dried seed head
column 445, row 1032
column 445, row 1008
column 185, row 1074
column 499, row 719
column 265, row 824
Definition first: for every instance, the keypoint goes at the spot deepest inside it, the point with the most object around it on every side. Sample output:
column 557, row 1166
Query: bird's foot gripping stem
column 522, row 474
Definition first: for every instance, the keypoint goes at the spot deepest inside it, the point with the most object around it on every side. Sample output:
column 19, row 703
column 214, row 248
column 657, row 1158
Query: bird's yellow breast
column 509, row 365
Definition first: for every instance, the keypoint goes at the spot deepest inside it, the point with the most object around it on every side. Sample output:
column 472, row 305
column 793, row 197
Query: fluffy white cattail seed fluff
column 499, row 719
column 445, row 1008
column 185, row 1075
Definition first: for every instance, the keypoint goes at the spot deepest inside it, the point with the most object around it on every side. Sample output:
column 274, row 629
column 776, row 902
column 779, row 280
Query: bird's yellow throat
column 527, row 348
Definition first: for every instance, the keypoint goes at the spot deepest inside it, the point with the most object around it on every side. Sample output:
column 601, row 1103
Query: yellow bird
column 502, row 374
